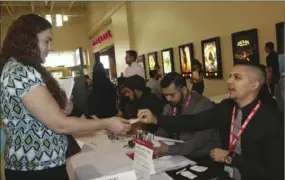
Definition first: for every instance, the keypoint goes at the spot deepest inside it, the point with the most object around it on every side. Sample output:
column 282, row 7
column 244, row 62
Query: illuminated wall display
column 245, row 46
column 152, row 60
column 167, row 61
column 186, row 56
column 211, row 56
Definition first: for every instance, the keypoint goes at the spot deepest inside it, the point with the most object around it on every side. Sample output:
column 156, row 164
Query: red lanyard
column 234, row 138
column 186, row 104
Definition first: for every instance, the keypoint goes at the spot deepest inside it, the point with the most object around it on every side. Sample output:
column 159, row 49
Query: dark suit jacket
column 261, row 143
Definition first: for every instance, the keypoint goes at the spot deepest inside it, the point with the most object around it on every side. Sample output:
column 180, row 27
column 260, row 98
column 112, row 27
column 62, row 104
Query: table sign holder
column 128, row 175
column 143, row 157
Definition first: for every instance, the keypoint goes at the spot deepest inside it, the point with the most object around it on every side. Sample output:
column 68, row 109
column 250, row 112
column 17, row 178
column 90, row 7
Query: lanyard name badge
column 186, row 105
column 234, row 138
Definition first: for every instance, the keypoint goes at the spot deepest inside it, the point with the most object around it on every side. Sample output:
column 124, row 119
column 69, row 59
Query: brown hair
column 21, row 43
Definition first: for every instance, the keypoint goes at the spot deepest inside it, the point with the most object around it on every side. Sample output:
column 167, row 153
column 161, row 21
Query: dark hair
column 21, row 42
column 262, row 67
column 121, row 81
column 136, row 82
column 270, row 45
column 152, row 73
column 86, row 76
column 197, row 62
column 156, row 66
column 173, row 78
column 132, row 53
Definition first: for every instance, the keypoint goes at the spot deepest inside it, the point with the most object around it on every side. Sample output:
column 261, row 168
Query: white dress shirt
column 135, row 69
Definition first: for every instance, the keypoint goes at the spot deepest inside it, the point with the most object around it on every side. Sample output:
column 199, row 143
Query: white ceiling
column 12, row 9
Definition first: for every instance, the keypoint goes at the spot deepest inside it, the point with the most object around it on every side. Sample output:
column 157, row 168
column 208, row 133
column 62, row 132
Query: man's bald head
column 255, row 73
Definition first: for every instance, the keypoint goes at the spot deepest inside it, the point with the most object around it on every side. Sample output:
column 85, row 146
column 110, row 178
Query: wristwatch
column 229, row 158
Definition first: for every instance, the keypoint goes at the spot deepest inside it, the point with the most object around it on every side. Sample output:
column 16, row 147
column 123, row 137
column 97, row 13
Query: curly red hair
column 21, row 43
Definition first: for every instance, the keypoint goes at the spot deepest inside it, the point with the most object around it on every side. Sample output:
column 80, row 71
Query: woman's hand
column 117, row 125
column 69, row 106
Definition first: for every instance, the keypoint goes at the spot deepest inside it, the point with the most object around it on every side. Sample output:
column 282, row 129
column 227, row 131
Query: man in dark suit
column 273, row 64
column 181, row 100
column 251, row 132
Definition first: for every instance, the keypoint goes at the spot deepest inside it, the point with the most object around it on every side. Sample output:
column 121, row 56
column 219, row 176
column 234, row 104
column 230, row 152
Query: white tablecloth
column 101, row 157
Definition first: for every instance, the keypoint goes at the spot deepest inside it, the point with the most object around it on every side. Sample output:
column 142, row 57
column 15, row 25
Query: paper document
column 66, row 85
column 158, row 138
column 133, row 121
column 80, row 143
column 198, row 168
column 129, row 175
column 157, row 144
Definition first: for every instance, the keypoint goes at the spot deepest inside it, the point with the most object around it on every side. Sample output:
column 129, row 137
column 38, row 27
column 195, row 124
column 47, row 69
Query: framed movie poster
column 186, row 55
column 212, row 63
column 141, row 61
column 152, row 60
column 167, row 60
column 245, row 46
column 280, row 37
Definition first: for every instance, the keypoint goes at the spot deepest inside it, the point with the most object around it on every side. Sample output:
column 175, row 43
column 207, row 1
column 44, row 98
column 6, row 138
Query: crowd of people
column 244, row 131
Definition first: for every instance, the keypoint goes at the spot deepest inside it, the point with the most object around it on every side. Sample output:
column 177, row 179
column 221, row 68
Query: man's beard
column 179, row 103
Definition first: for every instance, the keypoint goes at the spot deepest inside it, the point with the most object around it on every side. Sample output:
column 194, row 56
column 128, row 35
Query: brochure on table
column 129, row 175
column 143, row 163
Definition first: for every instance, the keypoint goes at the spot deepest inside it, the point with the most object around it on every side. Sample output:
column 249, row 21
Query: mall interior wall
column 154, row 26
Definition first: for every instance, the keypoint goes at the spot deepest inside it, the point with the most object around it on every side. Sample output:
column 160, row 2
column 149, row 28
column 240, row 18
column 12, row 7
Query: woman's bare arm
column 43, row 106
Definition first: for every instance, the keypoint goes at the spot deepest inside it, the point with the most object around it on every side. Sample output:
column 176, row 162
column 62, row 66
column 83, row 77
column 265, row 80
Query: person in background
column 272, row 63
column 133, row 67
column 33, row 104
column 279, row 94
column 122, row 100
column 88, row 81
column 197, row 77
column 140, row 97
column 265, row 94
column 153, row 83
column 158, row 69
column 183, row 101
column 103, row 100
column 251, row 132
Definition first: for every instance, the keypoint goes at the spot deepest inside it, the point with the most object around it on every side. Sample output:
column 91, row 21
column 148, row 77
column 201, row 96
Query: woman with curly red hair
column 32, row 105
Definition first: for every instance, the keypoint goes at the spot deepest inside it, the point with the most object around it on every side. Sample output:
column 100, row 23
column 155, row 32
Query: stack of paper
column 66, row 85
column 158, row 138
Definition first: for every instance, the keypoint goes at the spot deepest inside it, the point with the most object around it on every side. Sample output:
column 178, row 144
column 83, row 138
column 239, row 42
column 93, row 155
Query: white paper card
column 133, row 121
column 66, row 85
column 188, row 174
column 143, row 162
column 158, row 138
column 230, row 170
column 198, row 168
column 157, row 144
column 80, row 143
column 129, row 175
